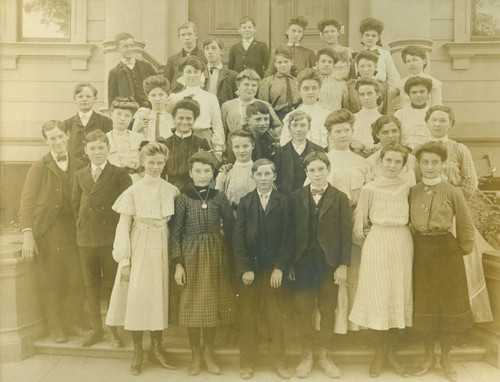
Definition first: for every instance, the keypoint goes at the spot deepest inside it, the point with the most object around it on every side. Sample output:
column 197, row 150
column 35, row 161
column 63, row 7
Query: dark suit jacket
column 172, row 68
column 120, row 81
column 42, row 195
column 226, row 85
column 78, row 132
column 283, row 159
column 246, row 233
column 334, row 226
column 256, row 57
column 95, row 220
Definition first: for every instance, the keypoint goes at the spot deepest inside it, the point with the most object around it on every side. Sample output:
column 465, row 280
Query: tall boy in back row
column 95, row 189
column 125, row 79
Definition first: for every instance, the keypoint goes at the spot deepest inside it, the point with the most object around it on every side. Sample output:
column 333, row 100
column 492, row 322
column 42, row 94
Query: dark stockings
column 194, row 335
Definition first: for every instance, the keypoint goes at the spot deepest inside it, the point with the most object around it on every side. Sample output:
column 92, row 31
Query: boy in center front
column 322, row 254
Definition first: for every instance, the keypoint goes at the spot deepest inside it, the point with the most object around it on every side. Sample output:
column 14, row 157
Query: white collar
column 442, row 139
column 419, row 74
column 261, row 194
column 215, row 66
column 293, row 44
column 129, row 61
column 246, row 41
column 180, row 135
column 243, row 164
column 86, row 115
column 94, row 167
column 431, row 182
column 365, row 110
column 54, row 155
column 301, row 146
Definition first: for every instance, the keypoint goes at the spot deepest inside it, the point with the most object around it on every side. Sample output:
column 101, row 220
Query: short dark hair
column 414, row 50
column 381, row 122
column 245, row 20
column 368, row 82
column 338, row 117
column 417, row 81
column 366, row 55
column 194, row 61
column 153, row 82
column 445, row 109
column 187, row 103
column 211, row 39
column 202, row 157
column 257, row 107
column 96, row 135
column 284, row 51
column 328, row 52
column 186, row 25
column 397, row 147
column 371, row 24
column 432, row 147
column 324, row 23
column 316, row 155
column 301, row 21
column 124, row 104
column 79, row 88
column 298, row 115
column 308, row 74
column 52, row 124
column 122, row 36
column 263, row 162
column 243, row 133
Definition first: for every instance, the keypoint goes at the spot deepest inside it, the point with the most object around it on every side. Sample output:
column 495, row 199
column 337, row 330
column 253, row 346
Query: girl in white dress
column 384, row 295
column 139, row 300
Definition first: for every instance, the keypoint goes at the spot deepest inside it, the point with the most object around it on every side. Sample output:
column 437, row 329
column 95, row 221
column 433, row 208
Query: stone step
column 345, row 351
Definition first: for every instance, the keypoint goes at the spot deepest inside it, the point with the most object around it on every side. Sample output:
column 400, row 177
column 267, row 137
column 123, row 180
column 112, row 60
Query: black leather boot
column 156, row 354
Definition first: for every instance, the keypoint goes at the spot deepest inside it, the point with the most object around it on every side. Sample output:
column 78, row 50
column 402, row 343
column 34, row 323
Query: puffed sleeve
column 220, row 181
column 218, row 138
column 121, row 246
column 361, row 216
column 125, row 204
column 346, row 230
column 177, row 229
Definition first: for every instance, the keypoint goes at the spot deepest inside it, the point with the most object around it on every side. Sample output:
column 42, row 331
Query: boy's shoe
column 330, row 369
column 246, row 372
column 93, row 337
column 77, row 330
column 306, row 363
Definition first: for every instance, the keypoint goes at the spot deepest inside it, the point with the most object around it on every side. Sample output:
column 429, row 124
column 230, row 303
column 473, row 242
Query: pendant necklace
column 204, row 204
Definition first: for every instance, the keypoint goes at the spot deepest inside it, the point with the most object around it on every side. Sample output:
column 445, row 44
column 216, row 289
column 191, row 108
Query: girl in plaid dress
column 201, row 253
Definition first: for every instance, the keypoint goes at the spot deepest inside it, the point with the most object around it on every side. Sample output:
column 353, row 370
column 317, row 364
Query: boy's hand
column 29, row 246
column 180, row 275
column 248, row 278
column 125, row 273
column 276, row 278
column 340, row 275
column 291, row 275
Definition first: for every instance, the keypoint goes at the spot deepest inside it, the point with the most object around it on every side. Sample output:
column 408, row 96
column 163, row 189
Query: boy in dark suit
column 220, row 80
column 322, row 253
column 188, row 34
column 262, row 239
column 289, row 159
column 95, row 188
column 48, row 227
column 249, row 53
column 125, row 79
column 85, row 121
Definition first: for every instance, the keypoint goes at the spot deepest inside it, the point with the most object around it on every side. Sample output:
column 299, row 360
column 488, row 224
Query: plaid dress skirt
column 441, row 298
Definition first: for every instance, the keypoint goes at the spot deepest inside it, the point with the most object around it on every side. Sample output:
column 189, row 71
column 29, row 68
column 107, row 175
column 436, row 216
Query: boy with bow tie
column 125, row 79
column 48, row 226
column 95, row 188
column 322, row 254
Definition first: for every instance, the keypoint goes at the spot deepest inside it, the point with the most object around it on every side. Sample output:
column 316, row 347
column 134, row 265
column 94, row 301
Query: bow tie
column 62, row 158
column 374, row 51
column 212, row 68
column 281, row 75
column 317, row 191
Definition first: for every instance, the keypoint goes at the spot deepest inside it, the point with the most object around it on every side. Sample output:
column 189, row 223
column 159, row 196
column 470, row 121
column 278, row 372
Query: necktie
column 264, row 199
column 319, row 191
column 289, row 96
column 96, row 174
column 157, row 126
column 62, row 158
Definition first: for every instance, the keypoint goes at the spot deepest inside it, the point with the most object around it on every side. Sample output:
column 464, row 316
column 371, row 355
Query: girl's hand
column 340, row 275
column 248, row 278
column 29, row 246
column 125, row 273
column 276, row 278
column 180, row 275
column 366, row 231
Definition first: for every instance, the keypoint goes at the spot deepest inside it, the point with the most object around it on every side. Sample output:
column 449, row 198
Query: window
column 44, row 20
column 485, row 20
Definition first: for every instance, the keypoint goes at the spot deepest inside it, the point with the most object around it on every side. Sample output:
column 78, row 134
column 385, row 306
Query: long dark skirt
column 441, row 297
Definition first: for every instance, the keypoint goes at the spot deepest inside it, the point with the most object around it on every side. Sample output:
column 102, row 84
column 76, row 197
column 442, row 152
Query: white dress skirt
column 384, row 296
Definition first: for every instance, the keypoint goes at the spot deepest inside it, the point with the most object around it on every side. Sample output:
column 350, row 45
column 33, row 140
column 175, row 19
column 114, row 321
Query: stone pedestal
column 489, row 332
column 21, row 319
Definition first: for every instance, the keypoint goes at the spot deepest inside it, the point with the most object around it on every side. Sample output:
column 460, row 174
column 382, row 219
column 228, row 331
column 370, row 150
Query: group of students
column 305, row 203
